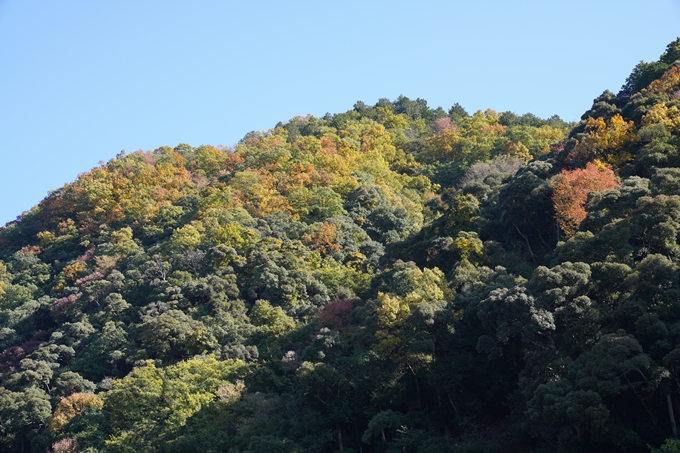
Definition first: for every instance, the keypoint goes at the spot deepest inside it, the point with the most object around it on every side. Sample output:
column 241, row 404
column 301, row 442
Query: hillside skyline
column 89, row 81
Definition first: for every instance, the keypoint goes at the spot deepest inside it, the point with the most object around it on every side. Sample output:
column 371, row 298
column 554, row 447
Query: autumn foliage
column 669, row 83
column 337, row 315
column 71, row 406
column 66, row 445
column 571, row 189
column 323, row 240
column 605, row 140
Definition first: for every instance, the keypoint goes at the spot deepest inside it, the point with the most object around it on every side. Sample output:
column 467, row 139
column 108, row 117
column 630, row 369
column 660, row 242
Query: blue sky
column 81, row 80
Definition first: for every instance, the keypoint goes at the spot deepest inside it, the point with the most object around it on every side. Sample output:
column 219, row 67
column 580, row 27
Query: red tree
column 336, row 315
column 571, row 189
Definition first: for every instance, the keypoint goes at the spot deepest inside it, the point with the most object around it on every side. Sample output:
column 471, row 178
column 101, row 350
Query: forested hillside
column 395, row 278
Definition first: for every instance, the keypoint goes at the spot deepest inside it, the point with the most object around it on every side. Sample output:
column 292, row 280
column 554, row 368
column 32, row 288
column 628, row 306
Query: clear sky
column 82, row 80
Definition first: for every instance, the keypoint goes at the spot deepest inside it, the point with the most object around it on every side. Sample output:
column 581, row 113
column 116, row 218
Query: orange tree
column 571, row 189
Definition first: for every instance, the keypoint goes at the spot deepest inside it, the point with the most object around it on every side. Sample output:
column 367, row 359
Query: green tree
column 149, row 404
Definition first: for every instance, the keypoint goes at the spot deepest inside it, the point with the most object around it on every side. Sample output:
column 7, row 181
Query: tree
column 643, row 74
column 71, row 406
column 22, row 412
column 326, row 388
column 571, row 189
column 148, row 405
column 606, row 139
column 512, row 314
column 166, row 335
column 572, row 412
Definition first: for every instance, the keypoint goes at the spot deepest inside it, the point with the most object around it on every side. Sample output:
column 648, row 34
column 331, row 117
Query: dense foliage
column 394, row 278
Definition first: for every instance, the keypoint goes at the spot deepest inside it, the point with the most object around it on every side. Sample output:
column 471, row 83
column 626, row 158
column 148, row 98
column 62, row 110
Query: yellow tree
column 71, row 406
column 669, row 83
column 606, row 140
column 661, row 114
